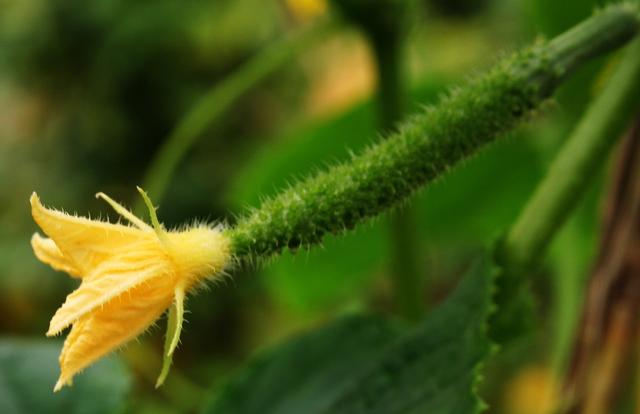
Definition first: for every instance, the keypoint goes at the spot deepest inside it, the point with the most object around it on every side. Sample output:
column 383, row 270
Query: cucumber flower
column 129, row 276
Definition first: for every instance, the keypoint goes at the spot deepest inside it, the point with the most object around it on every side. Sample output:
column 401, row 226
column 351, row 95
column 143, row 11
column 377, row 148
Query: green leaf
column 29, row 369
column 435, row 368
column 366, row 365
column 318, row 279
column 308, row 373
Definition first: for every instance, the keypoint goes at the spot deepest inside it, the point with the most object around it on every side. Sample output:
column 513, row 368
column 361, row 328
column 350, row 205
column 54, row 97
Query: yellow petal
column 47, row 252
column 107, row 328
column 109, row 280
column 74, row 334
column 84, row 242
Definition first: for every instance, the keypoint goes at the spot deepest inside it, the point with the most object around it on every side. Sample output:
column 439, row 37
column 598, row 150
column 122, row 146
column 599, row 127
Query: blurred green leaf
column 356, row 366
column 306, row 374
column 434, row 368
column 312, row 280
column 29, row 369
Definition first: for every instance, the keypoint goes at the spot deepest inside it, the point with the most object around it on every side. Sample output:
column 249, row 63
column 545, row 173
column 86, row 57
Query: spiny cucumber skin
column 389, row 172
column 425, row 147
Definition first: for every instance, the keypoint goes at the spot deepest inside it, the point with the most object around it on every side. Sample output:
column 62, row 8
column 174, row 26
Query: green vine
column 577, row 163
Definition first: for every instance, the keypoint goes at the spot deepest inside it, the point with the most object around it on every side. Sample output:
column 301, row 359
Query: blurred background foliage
column 90, row 90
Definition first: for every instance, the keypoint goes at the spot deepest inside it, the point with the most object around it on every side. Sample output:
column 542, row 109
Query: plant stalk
column 405, row 261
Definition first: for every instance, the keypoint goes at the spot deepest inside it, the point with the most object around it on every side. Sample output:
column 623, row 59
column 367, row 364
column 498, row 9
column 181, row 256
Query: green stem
column 391, row 90
column 577, row 164
column 405, row 265
column 218, row 100
column 429, row 144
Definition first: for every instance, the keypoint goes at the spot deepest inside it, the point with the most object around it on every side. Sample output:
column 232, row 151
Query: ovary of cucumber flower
column 129, row 276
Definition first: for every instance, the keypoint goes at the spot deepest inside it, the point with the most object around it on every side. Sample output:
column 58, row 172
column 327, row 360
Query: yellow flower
column 307, row 9
column 130, row 274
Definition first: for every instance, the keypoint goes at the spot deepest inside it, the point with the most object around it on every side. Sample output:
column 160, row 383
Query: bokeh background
column 90, row 91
